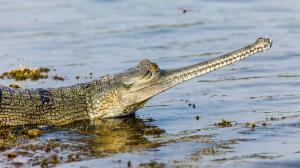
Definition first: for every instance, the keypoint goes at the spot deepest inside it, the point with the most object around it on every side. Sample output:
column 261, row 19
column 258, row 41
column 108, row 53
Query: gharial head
column 146, row 80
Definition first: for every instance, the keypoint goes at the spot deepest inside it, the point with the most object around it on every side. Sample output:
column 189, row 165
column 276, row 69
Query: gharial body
column 111, row 96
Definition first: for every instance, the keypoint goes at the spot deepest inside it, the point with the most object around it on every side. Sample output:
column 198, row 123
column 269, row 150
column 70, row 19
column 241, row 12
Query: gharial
column 111, row 96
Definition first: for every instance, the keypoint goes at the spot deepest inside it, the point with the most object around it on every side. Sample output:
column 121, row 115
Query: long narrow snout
column 177, row 76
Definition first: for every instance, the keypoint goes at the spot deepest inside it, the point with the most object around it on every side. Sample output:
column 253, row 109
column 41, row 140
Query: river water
column 79, row 37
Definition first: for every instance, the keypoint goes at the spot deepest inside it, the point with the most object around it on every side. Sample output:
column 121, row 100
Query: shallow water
column 76, row 37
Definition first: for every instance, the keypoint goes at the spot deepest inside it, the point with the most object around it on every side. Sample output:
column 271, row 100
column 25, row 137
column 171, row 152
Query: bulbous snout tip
column 269, row 41
column 264, row 43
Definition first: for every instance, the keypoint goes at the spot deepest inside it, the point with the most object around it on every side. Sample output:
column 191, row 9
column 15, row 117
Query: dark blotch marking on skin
column 45, row 95
column 2, row 96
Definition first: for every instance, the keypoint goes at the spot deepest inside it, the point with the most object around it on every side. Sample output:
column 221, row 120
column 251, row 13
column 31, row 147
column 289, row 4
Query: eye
column 148, row 75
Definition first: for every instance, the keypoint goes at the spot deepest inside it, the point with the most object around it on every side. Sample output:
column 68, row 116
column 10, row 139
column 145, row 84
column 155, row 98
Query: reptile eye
column 148, row 75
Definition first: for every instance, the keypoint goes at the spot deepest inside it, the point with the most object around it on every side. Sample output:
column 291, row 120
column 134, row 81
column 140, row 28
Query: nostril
column 268, row 40
column 271, row 42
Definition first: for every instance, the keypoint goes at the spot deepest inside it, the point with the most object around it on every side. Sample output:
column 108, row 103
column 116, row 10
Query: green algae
column 21, row 74
column 224, row 123
column 24, row 73
column 253, row 126
column 14, row 85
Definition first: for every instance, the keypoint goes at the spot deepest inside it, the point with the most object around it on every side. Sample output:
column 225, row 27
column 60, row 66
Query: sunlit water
column 76, row 37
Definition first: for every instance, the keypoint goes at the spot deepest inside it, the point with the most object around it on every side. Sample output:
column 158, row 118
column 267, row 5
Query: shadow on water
column 75, row 142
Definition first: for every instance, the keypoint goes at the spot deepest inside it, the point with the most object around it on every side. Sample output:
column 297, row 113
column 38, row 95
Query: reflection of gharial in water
column 79, row 141
column 112, row 96
column 122, row 135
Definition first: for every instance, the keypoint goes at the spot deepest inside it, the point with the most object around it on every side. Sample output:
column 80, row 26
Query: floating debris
column 20, row 74
column 54, row 159
column 224, row 123
column 14, row 85
column 197, row 117
column 129, row 163
column 34, row 132
column 152, row 164
column 73, row 158
column 253, row 125
column 44, row 163
column 192, row 105
column 209, row 151
column 56, row 77
column 11, row 155
column 274, row 119
column 185, row 10
column 77, row 77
